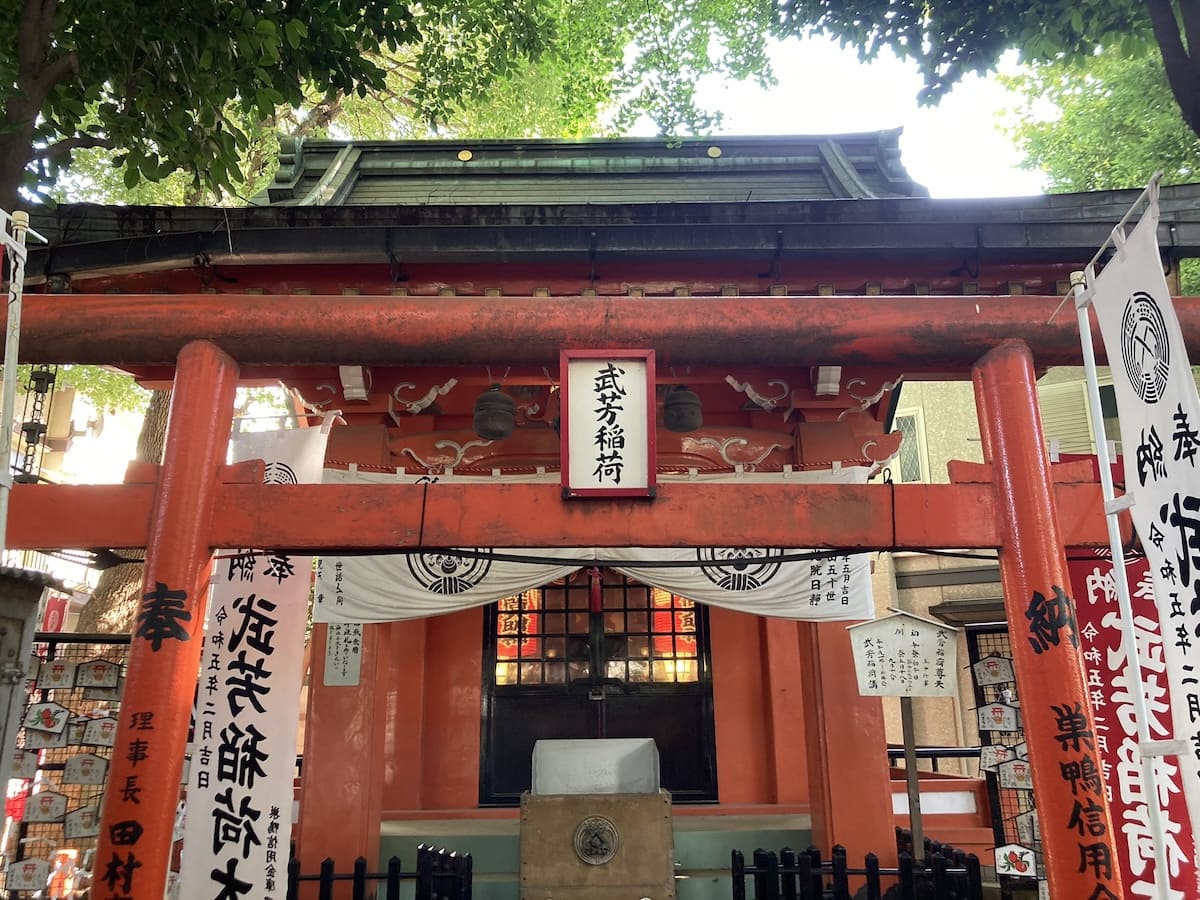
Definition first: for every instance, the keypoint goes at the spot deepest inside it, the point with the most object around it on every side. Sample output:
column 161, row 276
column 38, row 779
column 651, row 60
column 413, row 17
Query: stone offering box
column 596, row 825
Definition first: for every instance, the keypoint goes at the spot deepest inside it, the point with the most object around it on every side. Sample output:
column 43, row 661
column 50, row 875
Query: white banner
column 239, row 799
column 1160, row 434
column 809, row 586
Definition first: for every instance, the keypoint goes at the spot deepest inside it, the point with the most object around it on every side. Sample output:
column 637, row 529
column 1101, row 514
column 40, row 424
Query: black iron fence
column 440, row 875
column 945, row 875
column 934, row 754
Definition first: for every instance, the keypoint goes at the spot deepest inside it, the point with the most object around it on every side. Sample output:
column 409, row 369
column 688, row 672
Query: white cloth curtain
column 758, row 580
column 412, row 585
column 768, row 582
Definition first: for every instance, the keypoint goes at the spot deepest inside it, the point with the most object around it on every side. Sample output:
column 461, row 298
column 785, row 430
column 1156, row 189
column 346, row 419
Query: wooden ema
column 193, row 505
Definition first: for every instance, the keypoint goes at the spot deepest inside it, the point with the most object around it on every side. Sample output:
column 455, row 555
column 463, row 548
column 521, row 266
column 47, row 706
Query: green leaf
column 499, row 68
column 295, row 31
column 1113, row 123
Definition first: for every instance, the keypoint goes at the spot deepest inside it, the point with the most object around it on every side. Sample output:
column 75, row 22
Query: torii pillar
column 136, row 824
column 1076, row 825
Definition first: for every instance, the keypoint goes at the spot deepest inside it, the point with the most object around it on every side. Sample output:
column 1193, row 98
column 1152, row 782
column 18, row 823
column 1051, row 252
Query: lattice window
column 911, row 462
column 647, row 635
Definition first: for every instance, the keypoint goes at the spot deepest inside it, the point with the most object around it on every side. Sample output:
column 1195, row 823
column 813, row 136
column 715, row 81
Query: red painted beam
column 926, row 331
column 380, row 516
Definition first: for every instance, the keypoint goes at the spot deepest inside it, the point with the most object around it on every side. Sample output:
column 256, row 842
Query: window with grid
column 910, row 461
column 543, row 636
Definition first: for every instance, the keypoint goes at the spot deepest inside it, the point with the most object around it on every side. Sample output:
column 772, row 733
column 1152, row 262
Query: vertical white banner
column 239, row 798
column 1159, row 414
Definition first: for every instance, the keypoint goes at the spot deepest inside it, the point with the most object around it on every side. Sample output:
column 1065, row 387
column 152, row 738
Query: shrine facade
column 790, row 287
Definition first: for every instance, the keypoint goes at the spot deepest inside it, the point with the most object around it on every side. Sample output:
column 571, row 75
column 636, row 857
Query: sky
column 953, row 149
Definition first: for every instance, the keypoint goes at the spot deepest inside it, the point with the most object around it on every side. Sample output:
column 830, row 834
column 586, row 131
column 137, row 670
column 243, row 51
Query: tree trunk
column 15, row 153
column 114, row 603
column 1179, row 56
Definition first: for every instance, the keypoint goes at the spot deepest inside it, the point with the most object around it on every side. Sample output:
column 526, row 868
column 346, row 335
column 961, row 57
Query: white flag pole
column 1147, row 748
column 14, row 246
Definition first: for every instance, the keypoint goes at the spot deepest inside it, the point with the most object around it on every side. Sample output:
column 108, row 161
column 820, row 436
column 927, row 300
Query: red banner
column 54, row 617
column 1111, row 686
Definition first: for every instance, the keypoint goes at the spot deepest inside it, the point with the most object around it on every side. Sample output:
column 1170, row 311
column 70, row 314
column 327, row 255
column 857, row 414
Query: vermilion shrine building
column 794, row 284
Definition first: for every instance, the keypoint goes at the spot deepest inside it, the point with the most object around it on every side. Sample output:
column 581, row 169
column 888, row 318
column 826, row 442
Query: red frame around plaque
column 643, row 356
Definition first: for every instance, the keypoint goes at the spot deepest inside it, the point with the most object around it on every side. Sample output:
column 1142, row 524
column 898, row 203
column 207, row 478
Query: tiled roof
column 624, row 170
column 33, row 576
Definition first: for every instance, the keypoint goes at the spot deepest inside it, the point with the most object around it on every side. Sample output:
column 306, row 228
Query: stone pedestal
column 597, row 847
column 21, row 591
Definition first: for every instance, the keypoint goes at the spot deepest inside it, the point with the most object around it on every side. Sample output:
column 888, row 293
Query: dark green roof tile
column 624, row 170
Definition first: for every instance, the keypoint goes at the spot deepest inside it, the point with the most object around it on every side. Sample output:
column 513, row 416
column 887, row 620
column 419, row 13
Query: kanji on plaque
column 1016, row 774
column 56, row 674
column 99, row 673
column 46, row 806
column 991, row 756
column 343, row 654
column 998, row 717
column 993, row 670
column 100, row 732
column 26, row 875
column 85, row 768
column 82, row 823
column 608, row 423
column 904, row 655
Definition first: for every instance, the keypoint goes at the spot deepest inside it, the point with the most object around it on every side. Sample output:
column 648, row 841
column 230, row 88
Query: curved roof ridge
column 718, row 168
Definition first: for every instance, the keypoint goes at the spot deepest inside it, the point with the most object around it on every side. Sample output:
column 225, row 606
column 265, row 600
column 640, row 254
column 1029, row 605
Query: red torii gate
column 194, row 504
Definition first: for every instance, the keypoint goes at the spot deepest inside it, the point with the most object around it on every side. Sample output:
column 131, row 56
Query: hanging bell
column 495, row 414
column 681, row 410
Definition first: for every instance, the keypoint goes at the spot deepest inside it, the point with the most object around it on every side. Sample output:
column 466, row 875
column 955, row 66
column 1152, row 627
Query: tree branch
column 1190, row 13
column 320, row 115
column 32, row 33
column 36, row 76
column 66, row 145
column 1182, row 73
column 55, row 71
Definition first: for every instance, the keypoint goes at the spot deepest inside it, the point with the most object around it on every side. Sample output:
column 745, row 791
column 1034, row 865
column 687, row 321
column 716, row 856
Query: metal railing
column 947, row 874
column 441, row 875
column 935, row 754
